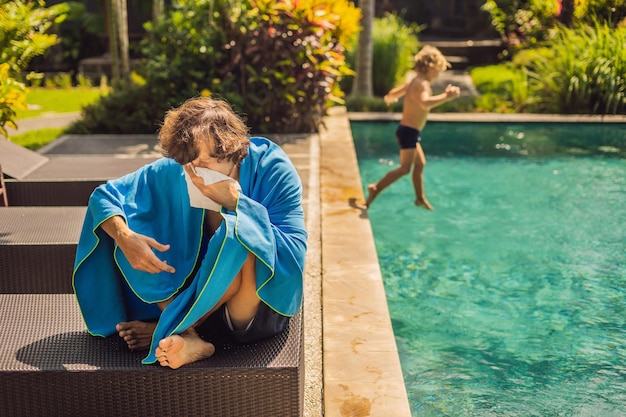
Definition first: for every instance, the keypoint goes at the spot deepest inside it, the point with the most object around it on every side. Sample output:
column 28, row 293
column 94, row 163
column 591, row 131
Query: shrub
column 22, row 37
column 12, row 97
column 276, row 61
column 504, row 88
column 127, row 108
column 522, row 22
column 584, row 72
column 292, row 57
column 22, row 31
column 610, row 11
column 395, row 45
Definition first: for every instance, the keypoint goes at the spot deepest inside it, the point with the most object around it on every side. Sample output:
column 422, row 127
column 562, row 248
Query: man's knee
column 244, row 300
column 244, row 280
column 233, row 289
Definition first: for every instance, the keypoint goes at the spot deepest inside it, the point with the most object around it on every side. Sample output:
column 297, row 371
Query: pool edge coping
column 361, row 366
column 493, row 117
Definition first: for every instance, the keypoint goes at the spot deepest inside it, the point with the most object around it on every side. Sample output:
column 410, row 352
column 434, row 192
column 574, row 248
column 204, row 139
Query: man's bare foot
column 372, row 192
column 136, row 334
column 422, row 202
column 181, row 349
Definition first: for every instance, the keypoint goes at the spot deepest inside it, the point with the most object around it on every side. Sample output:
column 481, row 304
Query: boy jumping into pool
column 418, row 100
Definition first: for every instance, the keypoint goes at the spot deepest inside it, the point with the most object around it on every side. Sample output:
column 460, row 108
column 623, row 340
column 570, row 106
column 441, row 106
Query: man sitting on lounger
column 214, row 228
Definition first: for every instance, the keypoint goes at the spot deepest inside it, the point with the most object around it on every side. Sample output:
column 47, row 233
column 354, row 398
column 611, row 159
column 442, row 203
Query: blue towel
column 268, row 222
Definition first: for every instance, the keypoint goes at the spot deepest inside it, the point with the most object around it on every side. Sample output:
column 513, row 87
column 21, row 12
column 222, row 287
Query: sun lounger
column 50, row 366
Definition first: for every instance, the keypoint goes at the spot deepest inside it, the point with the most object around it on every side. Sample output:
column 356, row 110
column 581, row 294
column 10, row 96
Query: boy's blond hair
column 430, row 57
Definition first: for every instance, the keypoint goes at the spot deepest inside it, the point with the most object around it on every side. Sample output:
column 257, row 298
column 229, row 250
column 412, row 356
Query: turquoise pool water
column 510, row 298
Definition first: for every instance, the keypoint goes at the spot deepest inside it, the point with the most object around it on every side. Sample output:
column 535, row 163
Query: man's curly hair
column 202, row 118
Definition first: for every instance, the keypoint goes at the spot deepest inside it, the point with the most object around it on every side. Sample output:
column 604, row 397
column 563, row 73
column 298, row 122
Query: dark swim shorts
column 407, row 137
column 266, row 323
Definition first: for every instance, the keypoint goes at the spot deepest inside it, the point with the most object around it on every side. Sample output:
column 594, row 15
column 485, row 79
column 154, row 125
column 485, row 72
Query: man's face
column 206, row 159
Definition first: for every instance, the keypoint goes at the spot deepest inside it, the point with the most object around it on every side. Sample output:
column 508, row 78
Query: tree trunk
column 363, row 84
column 118, row 39
column 111, row 10
column 157, row 10
column 123, row 40
column 567, row 12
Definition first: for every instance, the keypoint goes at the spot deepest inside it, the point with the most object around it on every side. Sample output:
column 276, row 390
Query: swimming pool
column 510, row 298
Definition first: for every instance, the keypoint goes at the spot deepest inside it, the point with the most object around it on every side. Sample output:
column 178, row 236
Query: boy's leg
column 418, row 178
column 406, row 160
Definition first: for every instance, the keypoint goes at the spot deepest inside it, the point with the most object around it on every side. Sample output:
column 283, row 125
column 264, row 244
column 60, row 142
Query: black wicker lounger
column 50, row 366
column 50, row 192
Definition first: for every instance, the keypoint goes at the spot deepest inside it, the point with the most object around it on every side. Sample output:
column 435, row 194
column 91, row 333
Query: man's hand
column 136, row 247
column 223, row 193
column 138, row 250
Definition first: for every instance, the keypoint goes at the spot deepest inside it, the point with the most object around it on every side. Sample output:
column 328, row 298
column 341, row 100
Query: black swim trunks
column 266, row 323
column 407, row 137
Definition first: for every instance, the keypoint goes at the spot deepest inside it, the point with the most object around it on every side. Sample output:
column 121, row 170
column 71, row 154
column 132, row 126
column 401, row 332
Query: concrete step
column 49, row 366
column 463, row 54
column 457, row 62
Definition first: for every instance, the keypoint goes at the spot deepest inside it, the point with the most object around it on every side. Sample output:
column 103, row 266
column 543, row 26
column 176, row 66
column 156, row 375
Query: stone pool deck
column 361, row 367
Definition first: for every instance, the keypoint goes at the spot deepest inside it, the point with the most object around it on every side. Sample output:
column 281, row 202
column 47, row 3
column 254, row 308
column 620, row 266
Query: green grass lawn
column 35, row 139
column 42, row 101
column 46, row 101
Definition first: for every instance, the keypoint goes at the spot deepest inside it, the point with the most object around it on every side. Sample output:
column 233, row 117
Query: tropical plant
column 289, row 57
column 395, row 45
column 23, row 27
column 522, row 22
column 276, row 61
column 22, row 37
column 12, row 97
column 584, row 71
column 613, row 12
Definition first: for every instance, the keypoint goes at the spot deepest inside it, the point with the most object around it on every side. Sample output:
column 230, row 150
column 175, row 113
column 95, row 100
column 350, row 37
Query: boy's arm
column 429, row 101
column 395, row 93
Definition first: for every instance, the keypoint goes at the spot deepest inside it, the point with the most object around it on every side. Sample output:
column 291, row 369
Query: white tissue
column 199, row 200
